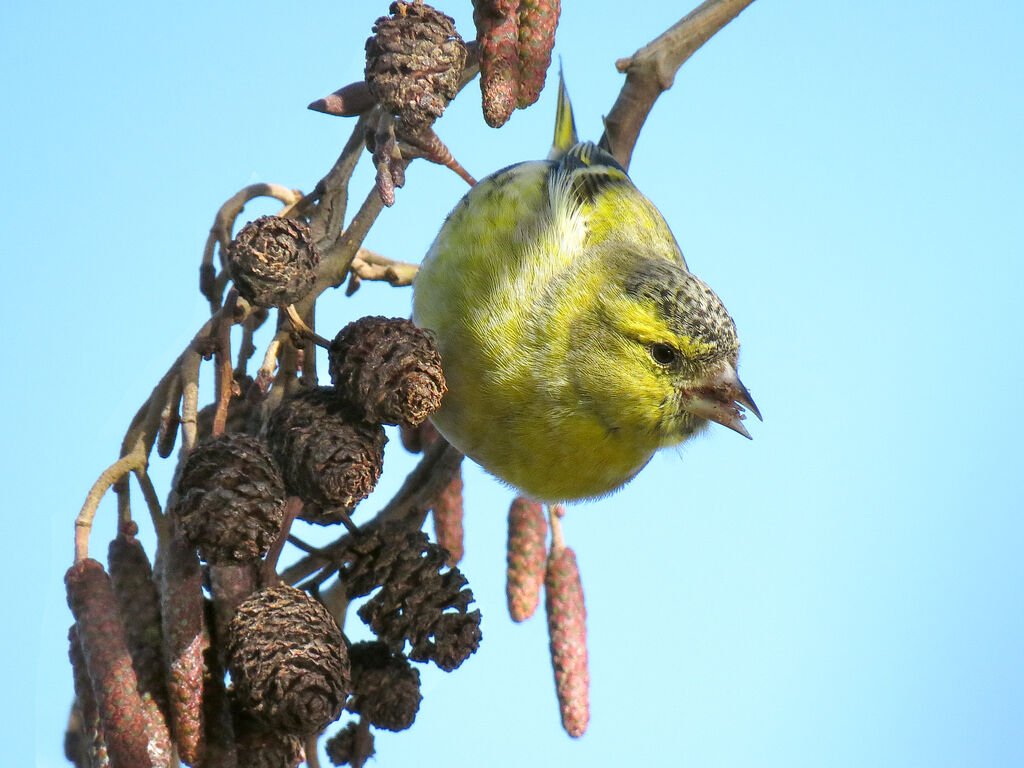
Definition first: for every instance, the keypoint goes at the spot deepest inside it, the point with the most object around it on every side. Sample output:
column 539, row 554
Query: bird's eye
column 663, row 354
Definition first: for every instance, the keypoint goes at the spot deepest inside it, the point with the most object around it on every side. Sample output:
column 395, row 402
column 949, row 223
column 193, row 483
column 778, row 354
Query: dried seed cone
column 83, row 743
column 330, row 456
column 418, row 602
column 448, row 519
column 132, row 736
column 385, row 687
column 139, row 603
column 413, row 63
column 567, row 632
column 262, row 748
column 389, row 368
column 273, row 261
column 527, row 557
column 230, row 499
column 352, row 745
column 186, row 640
column 288, row 662
column 537, row 22
column 497, row 31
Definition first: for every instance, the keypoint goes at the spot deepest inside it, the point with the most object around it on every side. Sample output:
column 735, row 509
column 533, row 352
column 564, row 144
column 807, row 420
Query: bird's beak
column 720, row 397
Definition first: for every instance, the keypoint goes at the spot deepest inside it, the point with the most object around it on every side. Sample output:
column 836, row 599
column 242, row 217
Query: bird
column 574, row 340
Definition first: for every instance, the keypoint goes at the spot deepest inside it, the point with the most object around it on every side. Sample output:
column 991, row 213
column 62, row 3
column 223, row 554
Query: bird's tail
column 565, row 127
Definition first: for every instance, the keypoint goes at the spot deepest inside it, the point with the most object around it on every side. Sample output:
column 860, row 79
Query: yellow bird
column 574, row 339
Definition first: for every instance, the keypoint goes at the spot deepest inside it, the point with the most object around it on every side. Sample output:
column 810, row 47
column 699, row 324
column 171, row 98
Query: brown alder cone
column 537, row 22
column 422, row 601
column 186, row 640
column 389, row 368
column 230, row 499
column 413, row 63
column 527, row 556
column 86, row 748
column 497, row 32
column 133, row 730
column 352, row 745
column 288, row 661
column 330, row 457
column 567, row 631
column 447, row 512
column 272, row 261
column 261, row 747
column 139, row 603
column 385, row 686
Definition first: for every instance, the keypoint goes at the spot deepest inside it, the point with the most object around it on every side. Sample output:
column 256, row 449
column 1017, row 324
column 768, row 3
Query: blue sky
column 844, row 590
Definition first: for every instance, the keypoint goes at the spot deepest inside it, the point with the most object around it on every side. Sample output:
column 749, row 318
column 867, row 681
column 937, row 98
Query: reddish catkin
column 139, row 603
column 92, row 731
column 185, row 641
column 537, row 22
column 497, row 30
column 133, row 739
column 448, row 519
column 567, row 630
column 527, row 531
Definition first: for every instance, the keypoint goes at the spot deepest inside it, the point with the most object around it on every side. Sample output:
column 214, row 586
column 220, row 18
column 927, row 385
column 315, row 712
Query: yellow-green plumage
column 553, row 288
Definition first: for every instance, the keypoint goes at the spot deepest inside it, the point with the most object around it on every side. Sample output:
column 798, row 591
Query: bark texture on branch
column 651, row 70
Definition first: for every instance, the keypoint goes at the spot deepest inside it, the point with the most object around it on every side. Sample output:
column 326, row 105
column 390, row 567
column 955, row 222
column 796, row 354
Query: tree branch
column 652, row 69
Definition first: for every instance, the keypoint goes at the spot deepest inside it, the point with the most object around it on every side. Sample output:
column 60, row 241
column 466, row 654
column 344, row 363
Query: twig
column 153, row 504
column 109, row 476
column 300, row 325
column 651, row 70
column 368, row 265
column 225, row 370
column 246, row 349
column 265, row 374
column 190, row 398
column 268, row 573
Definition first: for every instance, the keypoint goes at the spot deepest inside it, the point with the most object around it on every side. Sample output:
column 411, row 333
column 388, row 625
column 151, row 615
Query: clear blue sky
column 844, row 590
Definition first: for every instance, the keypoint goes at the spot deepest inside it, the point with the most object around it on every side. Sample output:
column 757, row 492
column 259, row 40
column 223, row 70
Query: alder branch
column 652, row 69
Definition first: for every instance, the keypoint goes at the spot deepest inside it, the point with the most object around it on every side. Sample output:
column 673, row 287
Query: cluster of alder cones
column 150, row 650
column 207, row 658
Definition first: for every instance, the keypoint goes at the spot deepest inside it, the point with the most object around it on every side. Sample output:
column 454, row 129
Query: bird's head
column 661, row 354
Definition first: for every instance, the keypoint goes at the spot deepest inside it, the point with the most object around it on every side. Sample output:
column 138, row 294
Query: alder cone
column 288, row 661
column 331, row 457
column 414, row 62
column 388, row 368
column 258, row 747
column 386, row 687
column 230, row 499
column 352, row 745
column 273, row 261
